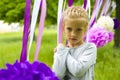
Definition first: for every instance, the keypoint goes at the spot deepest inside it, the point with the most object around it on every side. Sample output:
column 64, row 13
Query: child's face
column 74, row 31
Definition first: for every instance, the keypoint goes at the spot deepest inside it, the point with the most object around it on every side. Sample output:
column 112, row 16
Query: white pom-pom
column 106, row 22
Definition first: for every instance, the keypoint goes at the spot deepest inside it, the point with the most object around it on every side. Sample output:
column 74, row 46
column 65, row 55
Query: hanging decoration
column 99, row 36
column 35, row 11
column 105, row 7
column 101, row 27
column 111, row 8
column 106, row 22
column 70, row 2
column 24, row 70
column 26, row 31
column 98, row 4
column 41, row 28
column 116, row 23
column 27, row 71
column 59, row 20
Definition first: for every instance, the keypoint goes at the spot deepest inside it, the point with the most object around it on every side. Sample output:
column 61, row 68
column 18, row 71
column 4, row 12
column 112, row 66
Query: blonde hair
column 76, row 12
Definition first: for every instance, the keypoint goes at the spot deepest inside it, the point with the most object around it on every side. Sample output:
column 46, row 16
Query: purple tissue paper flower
column 99, row 36
column 111, row 36
column 27, row 71
column 116, row 23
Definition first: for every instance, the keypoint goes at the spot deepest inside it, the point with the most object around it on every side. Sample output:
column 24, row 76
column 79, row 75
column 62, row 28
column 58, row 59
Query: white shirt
column 75, row 63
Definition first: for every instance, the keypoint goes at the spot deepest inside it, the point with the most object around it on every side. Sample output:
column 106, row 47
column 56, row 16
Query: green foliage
column 12, row 10
column 51, row 16
column 107, row 67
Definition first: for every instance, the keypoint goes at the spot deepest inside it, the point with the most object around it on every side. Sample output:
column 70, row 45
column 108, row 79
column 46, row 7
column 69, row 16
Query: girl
column 76, row 60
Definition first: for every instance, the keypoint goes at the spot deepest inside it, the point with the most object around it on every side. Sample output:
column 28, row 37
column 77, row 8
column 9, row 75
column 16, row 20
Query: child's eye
column 79, row 29
column 69, row 29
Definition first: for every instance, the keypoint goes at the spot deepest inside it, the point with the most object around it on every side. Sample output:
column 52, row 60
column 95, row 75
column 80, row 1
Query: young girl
column 76, row 60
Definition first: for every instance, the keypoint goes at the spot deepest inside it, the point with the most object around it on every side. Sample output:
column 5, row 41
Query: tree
column 12, row 10
column 117, row 31
column 51, row 15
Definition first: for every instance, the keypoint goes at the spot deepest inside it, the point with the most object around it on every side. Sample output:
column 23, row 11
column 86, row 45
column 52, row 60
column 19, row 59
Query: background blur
column 11, row 32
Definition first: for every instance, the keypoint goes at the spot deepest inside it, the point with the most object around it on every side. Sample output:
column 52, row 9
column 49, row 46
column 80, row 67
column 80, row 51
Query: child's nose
column 73, row 33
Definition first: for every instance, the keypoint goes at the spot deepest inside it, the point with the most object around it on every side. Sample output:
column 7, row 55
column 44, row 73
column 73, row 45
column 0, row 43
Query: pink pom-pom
column 111, row 36
column 99, row 36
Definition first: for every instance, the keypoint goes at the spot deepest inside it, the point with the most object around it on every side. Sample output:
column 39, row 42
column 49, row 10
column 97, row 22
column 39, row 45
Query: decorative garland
column 24, row 70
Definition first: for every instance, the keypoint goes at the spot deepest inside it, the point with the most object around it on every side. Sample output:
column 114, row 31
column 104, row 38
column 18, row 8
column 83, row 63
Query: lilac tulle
column 99, row 36
column 27, row 71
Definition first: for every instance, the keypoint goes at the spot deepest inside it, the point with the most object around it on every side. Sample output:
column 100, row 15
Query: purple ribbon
column 70, row 2
column 92, row 23
column 23, row 56
column 85, row 4
column 41, row 28
column 60, row 29
column 95, row 12
column 105, row 8
column 59, row 24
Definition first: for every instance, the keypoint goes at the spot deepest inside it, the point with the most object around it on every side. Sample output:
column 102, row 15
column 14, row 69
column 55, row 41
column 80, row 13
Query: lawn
column 106, row 68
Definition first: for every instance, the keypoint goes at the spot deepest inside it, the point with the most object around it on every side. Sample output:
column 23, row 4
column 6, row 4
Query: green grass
column 108, row 63
column 11, row 44
column 106, row 68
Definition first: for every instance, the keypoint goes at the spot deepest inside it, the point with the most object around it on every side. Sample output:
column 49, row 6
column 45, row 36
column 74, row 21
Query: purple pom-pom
column 99, row 36
column 111, row 36
column 27, row 71
column 116, row 23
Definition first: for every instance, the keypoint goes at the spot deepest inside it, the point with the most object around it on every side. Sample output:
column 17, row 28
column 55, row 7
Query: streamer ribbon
column 95, row 12
column 23, row 56
column 105, row 7
column 112, row 7
column 64, row 5
column 59, row 28
column 35, row 11
column 41, row 28
column 87, row 6
column 70, row 2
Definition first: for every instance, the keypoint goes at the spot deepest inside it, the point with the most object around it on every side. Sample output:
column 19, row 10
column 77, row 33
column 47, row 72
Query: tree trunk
column 117, row 31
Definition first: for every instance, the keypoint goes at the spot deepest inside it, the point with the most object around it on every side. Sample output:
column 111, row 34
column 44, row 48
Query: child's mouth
column 73, row 39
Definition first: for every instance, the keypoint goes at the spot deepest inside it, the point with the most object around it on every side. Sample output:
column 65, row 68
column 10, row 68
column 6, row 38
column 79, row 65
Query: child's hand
column 55, row 49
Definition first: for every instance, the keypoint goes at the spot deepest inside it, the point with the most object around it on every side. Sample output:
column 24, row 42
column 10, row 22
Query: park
column 108, row 55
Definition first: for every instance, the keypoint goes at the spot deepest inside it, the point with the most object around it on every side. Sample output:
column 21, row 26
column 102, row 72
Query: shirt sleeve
column 84, row 62
column 59, row 64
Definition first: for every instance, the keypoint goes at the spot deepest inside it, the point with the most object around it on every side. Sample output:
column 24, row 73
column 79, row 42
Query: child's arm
column 59, row 64
column 85, row 61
